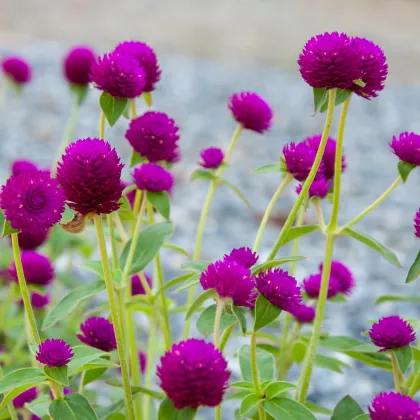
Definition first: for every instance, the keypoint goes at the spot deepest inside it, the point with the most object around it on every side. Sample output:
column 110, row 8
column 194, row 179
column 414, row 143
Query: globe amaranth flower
column 331, row 60
column 417, row 224
column 279, row 288
column 152, row 177
column 37, row 268
column 304, row 314
column 193, row 373
column 137, row 286
column 142, row 362
column 54, row 353
column 393, row 406
column 251, row 111
column 99, row 333
column 28, row 241
column 343, row 275
column 211, row 158
column 17, row 69
column 146, row 57
column 38, row 301
column 230, row 280
column 32, row 201
column 25, row 397
column 312, row 286
column 19, row 166
column 318, row 189
column 391, row 332
column 407, row 147
column 77, row 64
column 90, row 175
column 154, row 136
column 243, row 256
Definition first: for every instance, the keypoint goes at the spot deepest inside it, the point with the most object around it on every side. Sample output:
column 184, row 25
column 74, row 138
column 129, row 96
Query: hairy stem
column 396, row 372
column 149, row 368
column 254, row 365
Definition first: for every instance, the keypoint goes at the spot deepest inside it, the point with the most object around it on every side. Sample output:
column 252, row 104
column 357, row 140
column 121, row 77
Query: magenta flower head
column 417, row 224
column 304, row 314
column 317, row 189
column 118, row 74
column 37, row 268
column 54, row 353
column 90, row 175
column 330, row 60
column 38, row 301
column 393, row 406
column 312, row 286
column 343, row 276
column 17, row 69
column 279, row 288
column 99, row 333
column 243, row 256
column 25, row 397
column 29, row 241
column 211, row 158
column 143, row 362
column 19, row 166
column 154, row 136
column 146, row 57
column 77, row 64
column 193, row 373
column 391, row 332
column 251, row 111
column 230, row 280
column 153, row 177
column 32, row 201
column 407, row 147
column 136, row 286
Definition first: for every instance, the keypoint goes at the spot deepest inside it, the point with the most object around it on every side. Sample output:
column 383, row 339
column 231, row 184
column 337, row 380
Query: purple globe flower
column 19, row 166
column 136, row 285
column 250, row 110
column 154, row 136
column 279, row 288
column 407, row 147
column 193, row 373
column 391, row 332
column 243, row 256
column 146, row 57
column 230, row 280
column 344, row 277
column 38, row 301
column 152, row 177
column 17, row 69
column 304, row 314
column 90, row 176
column 118, row 74
column 317, row 189
column 393, row 406
column 28, row 241
column 211, row 158
column 54, row 353
column 312, row 286
column 331, row 60
column 417, row 224
column 77, row 64
column 143, row 362
column 25, row 397
column 32, row 201
column 37, row 268
column 99, row 333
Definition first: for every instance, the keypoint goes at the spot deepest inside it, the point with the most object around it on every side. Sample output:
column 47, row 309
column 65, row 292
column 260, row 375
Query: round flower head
column 17, row 69
column 143, row 362
column 152, row 177
column 250, row 110
column 243, row 256
column 25, row 397
column 211, row 158
column 19, row 166
column 54, row 353
column 330, row 60
column 317, row 189
column 299, row 159
column 136, row 285
column 29, row 241
column 344, row 277
column 304, row 314
column 230, row 280
column 118, row 74
column 417, row 224
column 154, row 136
column 393, row 406
column 391, row 332
column 193, row 373
column 407, row 147
column 38, row 301
column 146, row 57
column 312, row 286
column 99, row 333
column 77, row 64
column 279, row 288
column 36, row 267
column 90, row 176
column 32, row 201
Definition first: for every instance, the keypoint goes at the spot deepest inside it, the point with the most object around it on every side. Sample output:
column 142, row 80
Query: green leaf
column 82, row 356
column 346, row 409
column 320, row 97
column 238, row 312
column 99, row 363
column 404, row 356
column 39, row 407
column 341, row 96
column 265, row 362
column 265, row 169
column 149, row 243
column 136, row 159
column 72, row 407
column 286, row 409
column 359, row 82
column 414, row 270
column 161, row 202
column 362, row 417
column 8, row 397
column 200, row 174
column 265, row 313
column 274, row 263
column 331, row 363
column 237, row 191
column 95, row 266
column 21, row 377
column 339, row 298
column 167, row 411
column 297, row 232
column 249, row 403
column 173, row 282
column 195, row 266
column 374, row 244
column 191, row 282
column 205, row 322
column 58, row 374
column 397, row 298
column 92, row 375
column 208, row 294
column 147, row 96
column 157, row 395
column 69, row 302
column 243, row 385
column 125, row 211
column 7, row 229
column 112, row 107
column 404, row 169
column 315, row 408
column 80, row 92
column 116, row 416
column 299, row 351
column 276, row 388
column 176, row 248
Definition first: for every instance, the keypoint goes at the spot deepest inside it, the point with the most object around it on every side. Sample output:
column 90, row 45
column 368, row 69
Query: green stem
column 305, row 187
column 295, row 247
column 102, row 126
column 115, row 316
column 113, row 241
column 219, row 312
column 396, row 372
column 57, row 390
column 81, row 383
column 218, row 413
column 133, row 108
column 150, row 366
column 286, row 181
column 261, row 412
column 136, row 208
column 254, row 365
column 415, row 386
column 10, row 407
column 225, row 336
column 318, row 208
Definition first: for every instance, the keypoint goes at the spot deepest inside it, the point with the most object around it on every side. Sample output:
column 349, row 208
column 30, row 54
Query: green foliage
column 404, row 169
column 265, row 313
column 274, row 263
column 7, row 229
column 285, row 409
column 266, row 169
column 205, row 322
column 265, row 362
column 250, row 402
column 167, row 411
column 112, row 107
column 346, row 409
column 73, row 406
column 414, row 271
column 161, row 203
column 404, row 356
column 58, row 374
column 208, row 294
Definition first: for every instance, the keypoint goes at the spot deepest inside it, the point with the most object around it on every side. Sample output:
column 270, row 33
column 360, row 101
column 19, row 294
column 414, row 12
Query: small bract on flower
column 152, row 177
column 37, row 268
column 390, row 406
column 318, row 189
column 193, row 374
column 90, row 175
column 19, row 166
column 25, row 397
column 211, row 158
column 417, row 224
column 304, row 314
column 17, row 69
column 343, row 275
column 32, row 201
column 38, row 301
column 407, row 147
column 244, row 256
column 137, row 286
column 77, row 64
column 54, row 353
column 28, row 241
column 391, row 332
column 312, row 286
column 99, row 333
column 251, row 111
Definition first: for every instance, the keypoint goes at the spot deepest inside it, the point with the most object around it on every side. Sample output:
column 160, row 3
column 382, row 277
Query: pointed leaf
column 125, row 211
column 82, row 356
column 265, row 362
column 315, row 408
column 136, row 159
column 243, row 385
column 58, row 374
column 21, row 377
column 72, row 407
column 195, row 266
column 92, row 375
column 414, row 271
column 397, row 298
column 331, row 363
column 346, row 409
column 274, row 263
column 205, row 322
column 404, row 169
column 320, row 97
column 147, row 96
column 249, row 403
column 341, row 96
column 208, row 294
column 173, row 282
column 297, row 232
column 7, row 229
column 161, row 202
column 239, row 313
column 200, row 174
column 167, row 411
column 176, row 248
column 277, row 388
column 285, row 409
column 157, row 395
column 112, row 107
column 39, row 407
column 404, row 356
column 237, row 191
column 265, row 169
column 190, row 282
column 265, row 312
